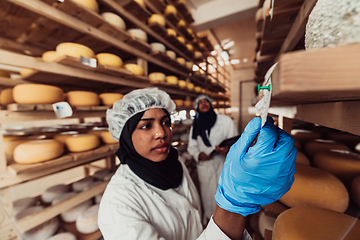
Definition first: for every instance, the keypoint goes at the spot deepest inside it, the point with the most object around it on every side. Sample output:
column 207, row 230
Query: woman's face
column 204, row 105
column 152, row 136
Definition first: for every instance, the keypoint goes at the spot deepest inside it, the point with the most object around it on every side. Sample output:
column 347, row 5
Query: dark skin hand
column 204, row 157
column 222, row 150
column 232, row 224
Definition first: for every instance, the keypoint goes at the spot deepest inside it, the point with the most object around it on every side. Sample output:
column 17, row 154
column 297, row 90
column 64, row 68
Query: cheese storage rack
column 33, row 27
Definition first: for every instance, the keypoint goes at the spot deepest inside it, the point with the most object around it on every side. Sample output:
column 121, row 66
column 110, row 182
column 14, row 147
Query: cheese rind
column 319, row 145
column 81, row 184
column 87, row 222
column 53, row 192
column 89, row 4
column 138, row 34
column 49, row 56
column 157, row 47
column 109, row 59
column 108, row 99
column 172, row 79
column 181, row 61
column 82, row 98
column 157, row 77
column 157, row 18
column 182, row 83
column 107, row 139
column 29, row 93
column 171, row 54
column 82, row 142
column 170, row 9
column 171, row 32
column 134, row 69
column 114, row 20
column 74, row 50
column 6, row 96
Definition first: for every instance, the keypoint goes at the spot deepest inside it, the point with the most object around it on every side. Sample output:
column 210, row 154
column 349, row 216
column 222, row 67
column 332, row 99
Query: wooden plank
column 113, row 31
column 7, row 228
column 115, row 71
column 139, row 44
column 159, row 4
column 270, row 46
column 173, row 18
column 135, row 9
column 29, row 107
column 74, row 62
column 11, row 45
column 94, row 44
column 158, row 29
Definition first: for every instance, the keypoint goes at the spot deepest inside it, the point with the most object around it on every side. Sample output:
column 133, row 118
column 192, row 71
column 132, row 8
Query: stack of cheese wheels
column 134, row 69
column 317, row 188
column 87, row 221
column 172, row 80
column 71, row 214
column 171, row 54
column 157, row 19
column 82, row 142
column 80, row 185
column 157, row 77
column 23, row 203
column 170, row 9
column 74, row 50
column 109, row 59
column 63, row 236
column 197, row 89
column 304, row 223
column 188, row 103
column 61, row 137
column 197, row 55
column 49, row 56
column 319, row 145
column 82, row 98
column 345, row 165
column 140, row 2
column 89, row 4
column 302, row 159
column 181, row 61
column 11, row 144
column 108, row 99
column 6, row 96
column 138, row 34
column 303, row 135
column 265, row 222
column 52, row 192
column 181, row 39
column 171, row 32
column 190, row 86
column 189, row 65
column 31, row 93
column 37, row 151
column 42, row 231
column 355, row 190
column 178, row 102
column 100, row 174
column 157, row 47
column 182, row 83
column 114, row 20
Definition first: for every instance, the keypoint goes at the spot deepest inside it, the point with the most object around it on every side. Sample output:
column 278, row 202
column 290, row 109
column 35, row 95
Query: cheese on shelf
column 197, row 89
column 141, row 3
column 89, row 4
column 181, row 39
column 52, row 192
column 189, row 65
column 178, row 102
column 87, row 222
column 190, row 86
column 107, row 139
column 74, row 50
column 157, row 47
column 181, row 23
column 182, row 83
column 197, row 55
column 38, row 151
column 114, row 20
column 172, row 79
column 83, row 98
column 6, row 96
column 189, row 47
column 157, row 77
column 303, row 135
column 108, row 99
column 171, row 54
column 31, row 93
column 188, row 103
column 24, row 72
column 171, row 32
column 157, row 18
column 23, row 203
column 109, row 59
column 181, row 61
column 81, row 184
column 49, row 56
column 100, row 174
column 11, row 144
column 134, row 69
column 302, row 159
column 82, row 142
column 61, row 137
column 138, row 34
column 170, row 9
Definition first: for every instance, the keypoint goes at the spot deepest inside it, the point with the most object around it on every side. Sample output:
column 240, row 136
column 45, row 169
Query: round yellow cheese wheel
column 181, row 39
column 181, row 61
column 190, row 31
column 108, row 99
column 49, row 56
column 134, row 69
column 82, row 98
column 98, row 130
column 303, row 135
column 178, row 102
column 107, row 139
column 157, row 47
column 317, row 188
column 343, row 137
column 188, row 103
column 81, row 184
column 63, row 236
column 171, row 54
column 4, row 73
column 109, row 59
column 171, row 32
column 38, row 151
column 189, row 65
column 74, row 50
column 114, row 20
column 53, row 192
column 138, row 34
column 355, row 190
column 190, row 86
column 82, row 142
column 189, row 47
column 37, row 94
column 201, row 45
column 24, row 72
column 170, row 9
column 172, row 79
column 197, row 89
column 181, row 23
column 197, row 54
column 6, row 96
column 345, row 165
column 10, row 145
column 87, row 221
column 61, row 137
column 157, row 77
column 305, row 223
column 89, row 4
column 319, row 145
column 302, row 159
column 140, row 2
column 157, row 18
column 182, row 83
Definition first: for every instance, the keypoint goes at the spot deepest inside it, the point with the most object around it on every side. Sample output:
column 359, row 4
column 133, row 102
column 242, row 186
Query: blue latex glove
column 257, row 175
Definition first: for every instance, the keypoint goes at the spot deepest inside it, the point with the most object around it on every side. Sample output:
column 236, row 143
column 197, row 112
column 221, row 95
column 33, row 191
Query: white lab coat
column 131, row 209
column 209, row 171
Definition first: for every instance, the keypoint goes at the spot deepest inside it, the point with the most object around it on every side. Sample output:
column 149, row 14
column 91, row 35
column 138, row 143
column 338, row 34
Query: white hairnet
column 134, row 102
column 196, row 104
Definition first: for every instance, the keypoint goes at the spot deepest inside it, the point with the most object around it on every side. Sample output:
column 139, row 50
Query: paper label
column 62, row 109
column 91, row 62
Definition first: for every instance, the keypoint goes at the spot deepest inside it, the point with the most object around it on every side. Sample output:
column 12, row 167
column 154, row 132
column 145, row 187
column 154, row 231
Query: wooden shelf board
column 139, row 44
column 134, row 8
column 115, row 71
column 111, row 30
column 158, row 29
column 159, row 4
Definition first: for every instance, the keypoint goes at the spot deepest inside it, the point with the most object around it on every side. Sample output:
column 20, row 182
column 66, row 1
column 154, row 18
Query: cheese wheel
column 357, row 147
column 181, row 61
column 190, row 31
column 171, row 32
column 189, row 65
column 170, row 9
column 63, row 236
column 188, row 103
column 197, row 54
column 89, row 4
column 157, row 18
column 114, row 20
column 319, row 145
column 140, row 2
column 82, row 98
column 134, row 69
column 6, row 96
column 189, row 47
column 178, row 102
column 171, row 54
column 317, row 188
column 172, row 79
column 82, row 142
column 181, row 23
column 304, row 136
column 107, row 139
column 24, row 72
column 91, row 185
column 181, row 39
column 31, row 93
column 87, row 222
column 42, row 231
column 100, row 174
column 23, row 203
column 10, row 145
column 38, row 151
column 61, row 137
column 190, row 86
column 182, row 83
column 4, row 73
column 98, row 130
column 265, row 222
column 138, row 34
column 52, row 192
column 201, row 45
column 344, row 165
column 157, row 47
column 81, row 184
column 304, row 223
column 197, row 89
column 108, row 99
column 355, row 190
column 302, row 159
column 109, row 59
column 49, row 56
column 63, row 196
column 157, row 77
column 74, row 50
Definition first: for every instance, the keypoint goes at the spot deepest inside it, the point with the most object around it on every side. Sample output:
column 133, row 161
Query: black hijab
column 203, row 121
column 164, row 175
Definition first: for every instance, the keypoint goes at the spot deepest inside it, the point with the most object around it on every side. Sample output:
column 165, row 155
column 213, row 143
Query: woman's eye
column 167, row 123
column 146, row 126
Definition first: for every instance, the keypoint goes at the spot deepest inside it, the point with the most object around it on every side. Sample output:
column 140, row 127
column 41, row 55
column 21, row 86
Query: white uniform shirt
column 131, row 209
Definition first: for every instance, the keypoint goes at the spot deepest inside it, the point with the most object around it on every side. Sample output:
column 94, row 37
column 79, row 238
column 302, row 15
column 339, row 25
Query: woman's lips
column 161, row 148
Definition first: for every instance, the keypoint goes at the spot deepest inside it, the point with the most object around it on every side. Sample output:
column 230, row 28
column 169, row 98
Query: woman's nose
column 160, row 132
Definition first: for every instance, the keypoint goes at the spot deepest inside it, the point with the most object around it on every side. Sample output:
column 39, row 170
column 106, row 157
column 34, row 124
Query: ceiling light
column 234, row 61
column 245, row 60
column 232, row 51
column 225, row 55
column 221, row 63
column 228, row 45
column 195, row 68
column 217, row 46
column 213, row 52
column 227, row 62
